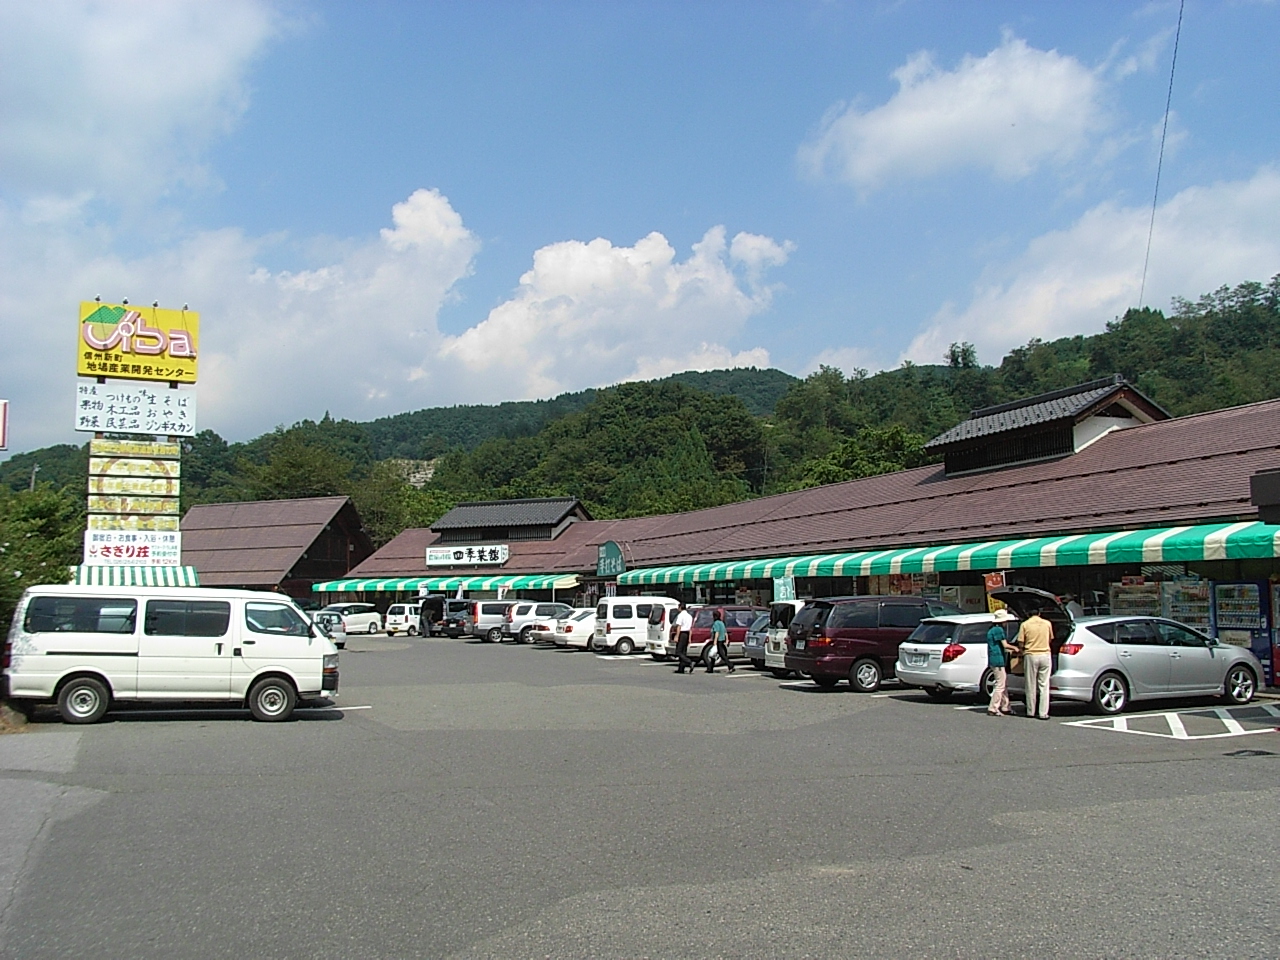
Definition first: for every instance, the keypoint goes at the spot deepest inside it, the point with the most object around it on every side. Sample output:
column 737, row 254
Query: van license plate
column 799, row 644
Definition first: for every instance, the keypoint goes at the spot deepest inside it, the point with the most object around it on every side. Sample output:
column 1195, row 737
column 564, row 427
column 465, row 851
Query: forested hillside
column 700, row 439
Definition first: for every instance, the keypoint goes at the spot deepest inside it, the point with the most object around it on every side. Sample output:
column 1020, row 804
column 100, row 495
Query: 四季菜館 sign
column 496, row 553
column 137, row 343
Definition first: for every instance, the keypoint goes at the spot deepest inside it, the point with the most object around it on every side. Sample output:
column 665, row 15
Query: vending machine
column 1242, row 616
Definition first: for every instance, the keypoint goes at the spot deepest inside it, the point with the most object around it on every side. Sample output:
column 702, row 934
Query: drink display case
column 1241, row 615
column 1187, row 601
column 1136, row 600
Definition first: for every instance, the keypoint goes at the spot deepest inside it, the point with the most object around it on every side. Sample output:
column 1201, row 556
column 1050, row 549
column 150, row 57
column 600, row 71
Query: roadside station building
column 1092, row 491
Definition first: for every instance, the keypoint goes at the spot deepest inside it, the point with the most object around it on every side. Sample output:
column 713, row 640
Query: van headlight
column 330, row 661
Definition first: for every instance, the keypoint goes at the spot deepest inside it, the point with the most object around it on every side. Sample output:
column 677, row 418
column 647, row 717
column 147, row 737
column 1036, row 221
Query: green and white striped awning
column 1213, row 541
column 86, row 575
column 541, row 581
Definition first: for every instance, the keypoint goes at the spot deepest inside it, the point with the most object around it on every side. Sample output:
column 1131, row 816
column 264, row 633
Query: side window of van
column 901, row 614
column 860, row 614
column 80, row 615
column 187, row 618
column 492, row 609
column 274, row 618
column 643, row 610
column 622, row 611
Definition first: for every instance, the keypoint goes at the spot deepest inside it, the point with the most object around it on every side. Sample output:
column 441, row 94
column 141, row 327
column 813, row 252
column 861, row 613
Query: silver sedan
column 1110, row 661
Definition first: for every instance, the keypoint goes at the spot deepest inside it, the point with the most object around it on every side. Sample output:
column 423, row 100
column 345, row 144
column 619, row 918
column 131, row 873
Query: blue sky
column 384, row 206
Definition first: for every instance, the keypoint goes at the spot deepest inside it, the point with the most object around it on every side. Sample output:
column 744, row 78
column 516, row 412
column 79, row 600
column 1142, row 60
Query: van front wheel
column 865, row 676
column 272, row 700
column 83, row 700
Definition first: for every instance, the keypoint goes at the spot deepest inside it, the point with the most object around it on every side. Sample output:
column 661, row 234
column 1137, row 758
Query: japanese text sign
column 135, row 408
column 137, row 343
column 451, row 556
column 132, row 549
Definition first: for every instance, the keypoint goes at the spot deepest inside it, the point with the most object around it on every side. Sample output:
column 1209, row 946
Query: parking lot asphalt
column 462, row 799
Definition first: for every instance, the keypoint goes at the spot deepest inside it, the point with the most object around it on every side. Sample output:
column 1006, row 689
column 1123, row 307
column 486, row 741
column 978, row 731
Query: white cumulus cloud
column 1076, row 280
column 1006, row 112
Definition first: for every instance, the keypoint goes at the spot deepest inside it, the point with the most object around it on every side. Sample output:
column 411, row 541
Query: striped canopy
column 541, row 581
column 1213, row 541
column 86, row 575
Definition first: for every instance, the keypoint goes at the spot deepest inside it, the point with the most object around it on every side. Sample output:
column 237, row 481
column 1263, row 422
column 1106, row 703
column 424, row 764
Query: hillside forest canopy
column 689, row 441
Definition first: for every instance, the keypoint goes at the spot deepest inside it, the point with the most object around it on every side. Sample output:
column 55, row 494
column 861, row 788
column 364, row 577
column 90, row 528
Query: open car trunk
column 1024, row 601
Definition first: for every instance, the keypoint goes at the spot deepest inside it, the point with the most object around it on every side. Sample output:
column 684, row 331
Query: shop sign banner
column 784, row 588
column 4, row 424
column 609, row 560
column 111, row 521
column 135, row 408
column 135, row 486
column 450, row 556
column 132, row 549
column 106, row 503
column 152, row 449
column 137, row 343
column 134, row 467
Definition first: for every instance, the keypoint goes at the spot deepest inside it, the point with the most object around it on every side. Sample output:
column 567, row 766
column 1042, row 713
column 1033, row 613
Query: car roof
column 213, row 593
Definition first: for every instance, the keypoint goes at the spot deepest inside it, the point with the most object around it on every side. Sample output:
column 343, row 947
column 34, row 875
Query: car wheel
column 412, row 631
column 1240, row 685
column 865, row 676
column 824, row 681
column 938, row 693
column 83, row 700
column 1110, row 695
column 494, row 635
column 757, row 664
column 624, row 647
column 523, row 635
column 780, row 674
column 272, row 700
column 987, row 685
column 373, row 628
column 591, row 645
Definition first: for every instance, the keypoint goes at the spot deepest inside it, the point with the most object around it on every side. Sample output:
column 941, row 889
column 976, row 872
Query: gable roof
column 530, row 512
column 1068, row 404
column 256, row 542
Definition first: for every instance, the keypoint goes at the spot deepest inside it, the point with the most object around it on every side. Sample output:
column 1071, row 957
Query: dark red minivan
column 855, row 638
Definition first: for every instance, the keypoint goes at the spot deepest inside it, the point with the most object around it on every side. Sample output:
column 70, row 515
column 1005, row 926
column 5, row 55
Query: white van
column 88, row 647
column 658, row 642
column 781, row 613
column 403, row 618
column 622, row 623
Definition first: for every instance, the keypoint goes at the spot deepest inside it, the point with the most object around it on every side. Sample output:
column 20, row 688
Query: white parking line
column 1232, row 727
column 1231, row 723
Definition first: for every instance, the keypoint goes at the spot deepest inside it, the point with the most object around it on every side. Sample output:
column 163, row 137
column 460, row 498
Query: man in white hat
column 998, row 650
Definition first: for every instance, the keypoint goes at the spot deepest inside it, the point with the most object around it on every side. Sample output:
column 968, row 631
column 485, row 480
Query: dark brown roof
column 530, row 512
column 257, row 542
column 1188, row 470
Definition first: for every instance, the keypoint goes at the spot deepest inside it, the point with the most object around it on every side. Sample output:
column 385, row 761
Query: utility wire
column 1160, row 162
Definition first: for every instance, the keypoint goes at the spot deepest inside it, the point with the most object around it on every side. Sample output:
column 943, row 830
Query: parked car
column 431, row 614
column 855, row 638
column 402, row 618
column 657, row 642
column 357, row 617
column 781, row 613
column 89, row 647
column 737, row 619
column 455, row 618
column 757, row 638
column 522, row 616
column 485, row 619
column 947, row 655
column 622, row 623
column 330, row 624
column 576, row 629
column 1111, row 661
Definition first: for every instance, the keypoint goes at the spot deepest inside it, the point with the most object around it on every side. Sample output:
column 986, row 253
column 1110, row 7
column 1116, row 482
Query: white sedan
column 949, row 654
column 577, row 629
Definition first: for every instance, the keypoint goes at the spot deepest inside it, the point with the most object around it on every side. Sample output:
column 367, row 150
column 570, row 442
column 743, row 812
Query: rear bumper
column 835, row 666
column 946, row 675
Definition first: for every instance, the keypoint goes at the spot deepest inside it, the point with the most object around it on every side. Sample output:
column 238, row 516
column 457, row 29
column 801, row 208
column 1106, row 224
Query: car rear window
column 395, row 610
column 759, row 624
column 810, row 615
column 490, row 609
column 80, row 615
column 602, row 611
column 657, row 614
column 583, row 614
column 933, row 633
column 704, row 617
column 781, row 615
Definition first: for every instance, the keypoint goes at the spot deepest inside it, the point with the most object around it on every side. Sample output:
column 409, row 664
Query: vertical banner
column 4, row 424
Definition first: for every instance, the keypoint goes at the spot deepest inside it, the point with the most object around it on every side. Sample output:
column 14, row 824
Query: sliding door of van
column 185, row 651
column 274, row 637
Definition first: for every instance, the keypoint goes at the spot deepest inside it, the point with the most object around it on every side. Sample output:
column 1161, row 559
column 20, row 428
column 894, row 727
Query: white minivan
column 622, row 623
column 87, row 647
column 658, row 642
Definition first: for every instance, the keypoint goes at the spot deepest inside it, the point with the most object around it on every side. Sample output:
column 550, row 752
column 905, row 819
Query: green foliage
column 61, row 466
column 295, row 468
column 41, row 537
column 872, row 451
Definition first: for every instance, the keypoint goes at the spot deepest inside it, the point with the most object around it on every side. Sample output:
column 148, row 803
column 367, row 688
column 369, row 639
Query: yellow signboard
column 106, row 503
column 134, row 448
column 135, row 486
column 137, row 343
column 133, row 522
column 131, row 467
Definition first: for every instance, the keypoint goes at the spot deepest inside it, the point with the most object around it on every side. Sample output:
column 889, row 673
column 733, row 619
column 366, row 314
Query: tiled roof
column 1066, row 404
column 256, row 542
column 1188, row 470
column 533, row 512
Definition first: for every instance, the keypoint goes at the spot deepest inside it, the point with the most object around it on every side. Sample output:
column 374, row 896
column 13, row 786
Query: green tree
column 41, row 538
column 873, row 451
column 296, row 469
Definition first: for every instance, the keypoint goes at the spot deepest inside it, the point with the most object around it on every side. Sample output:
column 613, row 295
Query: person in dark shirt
column 998, row 650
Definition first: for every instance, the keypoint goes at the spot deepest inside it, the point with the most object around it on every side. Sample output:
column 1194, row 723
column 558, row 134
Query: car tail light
column 951, row 651
column 1071, row 649
column 568, row 628
column 6, row 656
column 475, row 611
column 608, row 627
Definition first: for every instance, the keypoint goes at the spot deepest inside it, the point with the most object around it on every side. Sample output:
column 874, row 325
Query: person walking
column 718, row 645
column 683, row 624
column 1033, row 640
column 998, row 649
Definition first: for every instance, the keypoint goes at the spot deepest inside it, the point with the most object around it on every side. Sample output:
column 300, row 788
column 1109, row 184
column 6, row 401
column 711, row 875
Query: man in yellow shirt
column 1037, row 663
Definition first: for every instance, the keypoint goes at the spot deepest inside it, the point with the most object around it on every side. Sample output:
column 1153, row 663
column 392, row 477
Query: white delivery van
column 658, row 642
column 622, row 623
column 86, row 648
column 403, row 618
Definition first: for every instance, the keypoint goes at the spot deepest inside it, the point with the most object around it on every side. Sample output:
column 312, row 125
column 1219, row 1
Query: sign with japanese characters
column 153, row 449
column 134, row 467
column 460, row 555
column 107, row 503
column 135, row 408
column 609, row 560
column 137, row 343
column 135, row 486
column 155, row 522
column 133, row 548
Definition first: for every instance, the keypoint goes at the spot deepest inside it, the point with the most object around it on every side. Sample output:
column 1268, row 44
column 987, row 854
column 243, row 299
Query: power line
column 1160, row 162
